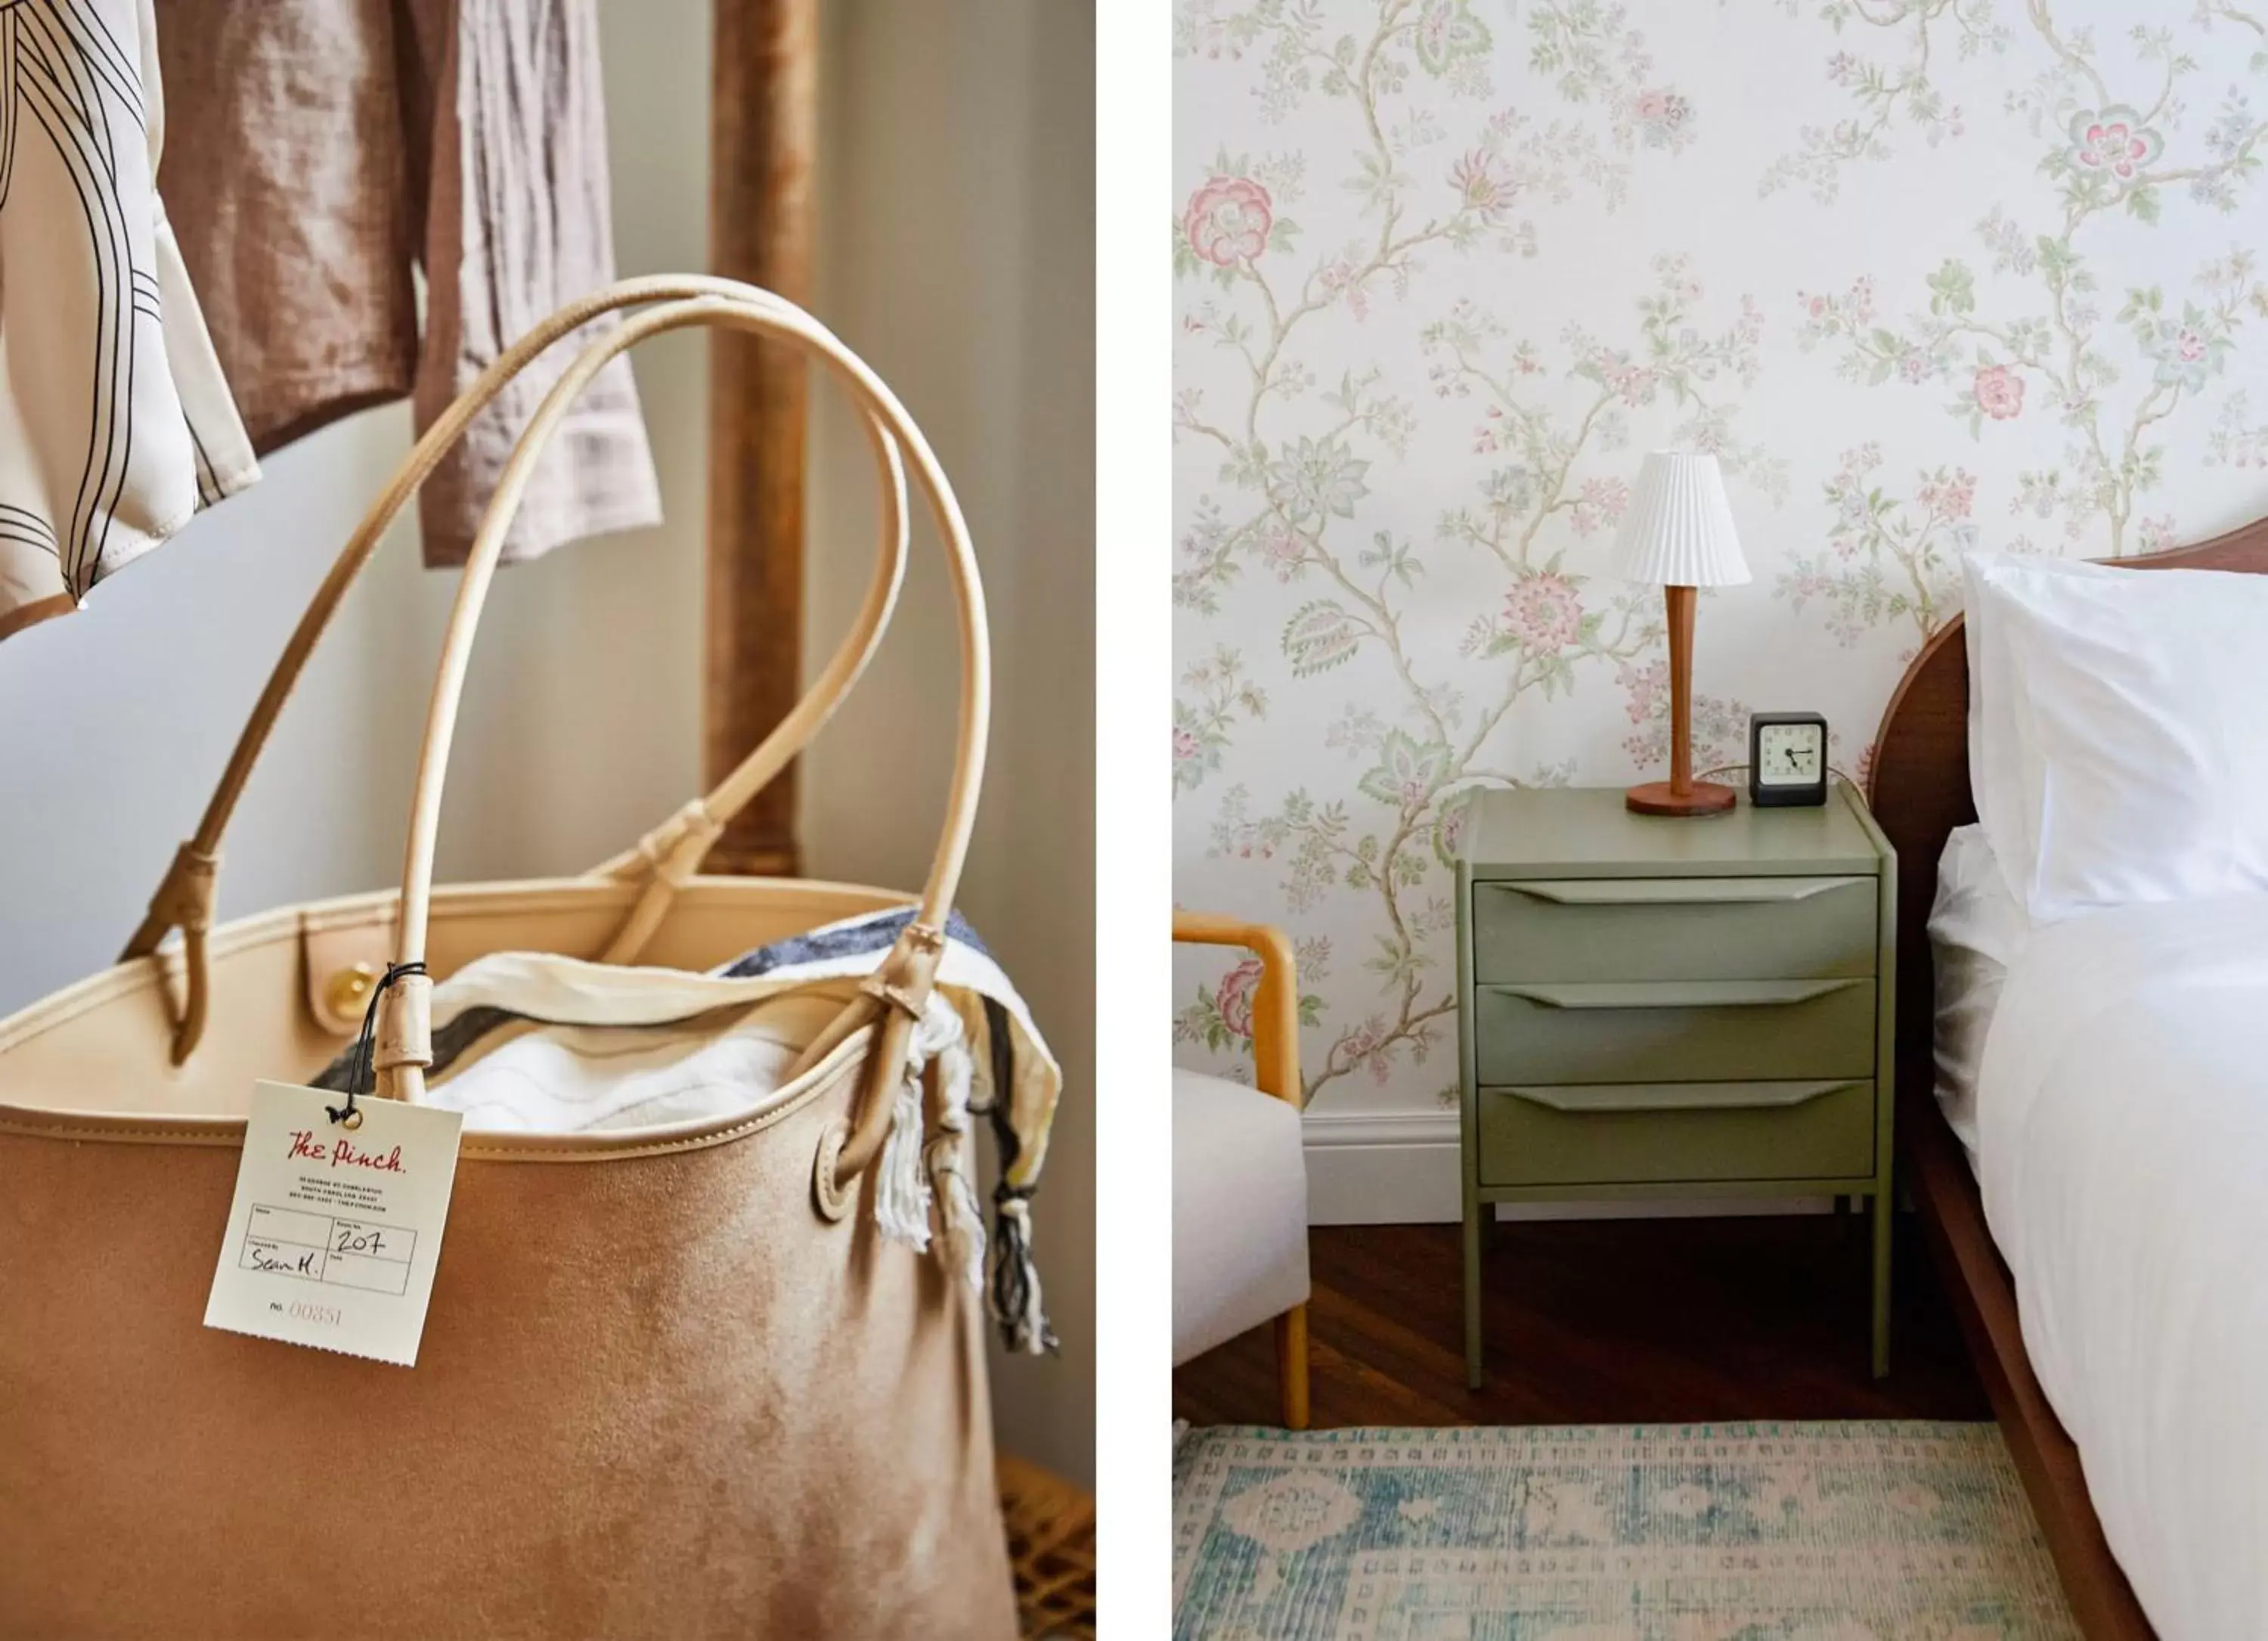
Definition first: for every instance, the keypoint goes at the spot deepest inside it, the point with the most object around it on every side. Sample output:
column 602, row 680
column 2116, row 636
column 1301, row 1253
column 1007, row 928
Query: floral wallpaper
column 1926, row 275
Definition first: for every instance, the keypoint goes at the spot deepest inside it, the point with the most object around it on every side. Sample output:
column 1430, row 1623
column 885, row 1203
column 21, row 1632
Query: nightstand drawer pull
column 1555, row 930
column 1634, row 1097
column 1669, row 891
column 1679, row 994
column 1533, row 1134
column 1546, row 1033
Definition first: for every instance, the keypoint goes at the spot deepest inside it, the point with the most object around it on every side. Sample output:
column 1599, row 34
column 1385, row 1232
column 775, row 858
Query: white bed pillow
column 1996, row 751
column 2136, row 767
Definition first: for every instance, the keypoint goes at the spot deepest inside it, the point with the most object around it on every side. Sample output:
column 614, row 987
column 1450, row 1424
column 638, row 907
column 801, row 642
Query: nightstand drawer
column 1674, row 1030
column 1616, row 1134
column 1674, row 928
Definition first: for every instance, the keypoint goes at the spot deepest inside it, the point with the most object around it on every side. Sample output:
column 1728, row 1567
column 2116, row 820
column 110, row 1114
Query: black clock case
column 1765, row 797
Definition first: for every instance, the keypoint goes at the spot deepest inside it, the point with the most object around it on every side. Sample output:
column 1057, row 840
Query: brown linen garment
column 318, row 149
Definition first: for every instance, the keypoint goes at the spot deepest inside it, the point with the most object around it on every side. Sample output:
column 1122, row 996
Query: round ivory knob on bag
column 348, row 989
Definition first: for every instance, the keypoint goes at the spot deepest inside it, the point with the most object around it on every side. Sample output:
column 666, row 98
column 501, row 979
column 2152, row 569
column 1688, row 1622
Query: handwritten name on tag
column 334, row 1236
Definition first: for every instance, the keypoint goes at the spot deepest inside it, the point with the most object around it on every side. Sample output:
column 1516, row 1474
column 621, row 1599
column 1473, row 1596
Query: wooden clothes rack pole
column 763, row 139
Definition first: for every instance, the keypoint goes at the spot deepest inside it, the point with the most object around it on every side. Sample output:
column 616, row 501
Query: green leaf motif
column 1445, row 31
column 1407, row 772
column 1320, row 636
column 1952, row 289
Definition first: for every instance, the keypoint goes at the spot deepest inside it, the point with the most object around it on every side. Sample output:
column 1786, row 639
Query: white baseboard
column 1397, row 1168
column 1400, row 1168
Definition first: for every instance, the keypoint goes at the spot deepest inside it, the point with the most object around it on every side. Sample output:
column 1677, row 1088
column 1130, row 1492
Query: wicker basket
column 1051, row 1541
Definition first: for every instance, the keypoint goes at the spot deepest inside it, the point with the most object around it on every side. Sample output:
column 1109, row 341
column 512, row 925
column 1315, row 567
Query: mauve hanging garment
column 324, row 147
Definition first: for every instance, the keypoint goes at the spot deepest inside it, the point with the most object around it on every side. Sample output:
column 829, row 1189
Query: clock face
column 1791, row 755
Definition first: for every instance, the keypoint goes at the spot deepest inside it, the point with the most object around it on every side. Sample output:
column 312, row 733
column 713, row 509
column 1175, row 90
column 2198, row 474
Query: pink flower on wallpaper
column 1544, row 611
column 1337, row 279
column 1999, row 392
column 1646, row 687
column 1633, row 383
column 1600, row 501
column 1185, row 745
column 1662, row 115
column 1283, row 552
column 1825, row 315
column 1485, row 184
column 1954, row 497
column 1364, row 1045
column 2113, row 142
column 1227, row 220
column 1234, row 997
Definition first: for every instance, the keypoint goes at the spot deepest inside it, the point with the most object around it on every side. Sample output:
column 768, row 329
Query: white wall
column 958, row 256
column 958, row 240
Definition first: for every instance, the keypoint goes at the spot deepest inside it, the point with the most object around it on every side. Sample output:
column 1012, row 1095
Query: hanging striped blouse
column 115, row 424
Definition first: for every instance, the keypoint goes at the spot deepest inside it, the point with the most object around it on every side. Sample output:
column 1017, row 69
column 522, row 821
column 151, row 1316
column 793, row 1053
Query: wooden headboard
column 1919, row 789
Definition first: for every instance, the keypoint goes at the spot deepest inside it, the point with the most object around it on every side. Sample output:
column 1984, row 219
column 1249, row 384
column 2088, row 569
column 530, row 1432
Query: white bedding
column 1976, row 930
column 2122, row 1127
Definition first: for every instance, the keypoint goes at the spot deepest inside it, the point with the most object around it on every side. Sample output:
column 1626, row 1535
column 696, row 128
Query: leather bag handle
column 892, row 999
column 670, row 853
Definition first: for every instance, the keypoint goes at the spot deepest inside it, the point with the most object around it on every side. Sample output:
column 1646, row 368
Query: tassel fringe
column 1016, row 1301
column 950, row 1157
column 902, row 1192
column 918, row 1173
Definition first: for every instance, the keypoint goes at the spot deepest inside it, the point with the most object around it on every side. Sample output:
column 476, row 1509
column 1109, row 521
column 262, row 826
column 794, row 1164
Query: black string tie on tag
column 362, row 1070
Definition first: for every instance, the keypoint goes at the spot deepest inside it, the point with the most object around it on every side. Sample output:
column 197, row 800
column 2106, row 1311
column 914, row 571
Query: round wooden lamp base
column 1656, row 797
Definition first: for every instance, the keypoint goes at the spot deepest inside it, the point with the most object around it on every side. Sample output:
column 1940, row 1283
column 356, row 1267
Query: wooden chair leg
column 1291, row 1366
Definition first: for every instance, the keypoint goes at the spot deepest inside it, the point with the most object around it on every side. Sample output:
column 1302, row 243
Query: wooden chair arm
column 1275, row 1005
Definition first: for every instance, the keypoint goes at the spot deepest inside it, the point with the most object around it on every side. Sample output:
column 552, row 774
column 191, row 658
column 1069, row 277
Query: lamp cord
column 1726, row 769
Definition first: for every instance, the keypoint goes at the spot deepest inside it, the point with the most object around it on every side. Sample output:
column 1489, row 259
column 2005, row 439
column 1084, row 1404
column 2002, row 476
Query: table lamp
column 1678, row 536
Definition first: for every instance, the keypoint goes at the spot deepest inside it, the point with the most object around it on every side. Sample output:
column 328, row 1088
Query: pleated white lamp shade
column 1678, row 530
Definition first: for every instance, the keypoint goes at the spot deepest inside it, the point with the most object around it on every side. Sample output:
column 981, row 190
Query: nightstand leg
column 1475, row 1213
column 1885, row 1219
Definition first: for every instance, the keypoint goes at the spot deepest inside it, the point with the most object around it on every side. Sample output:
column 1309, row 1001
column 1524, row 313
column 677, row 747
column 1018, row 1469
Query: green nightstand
column 1655, row 1007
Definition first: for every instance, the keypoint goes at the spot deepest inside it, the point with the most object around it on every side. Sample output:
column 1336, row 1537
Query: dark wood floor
column 1605, row 1322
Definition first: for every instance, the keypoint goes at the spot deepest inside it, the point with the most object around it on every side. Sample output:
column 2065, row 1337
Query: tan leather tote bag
column 673, row 1382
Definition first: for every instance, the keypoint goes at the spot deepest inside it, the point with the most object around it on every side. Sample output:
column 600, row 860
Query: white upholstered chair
column 1240, row 1177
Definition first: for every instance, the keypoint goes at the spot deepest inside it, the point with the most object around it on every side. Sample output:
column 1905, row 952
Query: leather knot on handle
column 405, row 1021
column 904, row 979
column 395, row 1033
column 675, row 848
column 184, row 900
column 901, row 998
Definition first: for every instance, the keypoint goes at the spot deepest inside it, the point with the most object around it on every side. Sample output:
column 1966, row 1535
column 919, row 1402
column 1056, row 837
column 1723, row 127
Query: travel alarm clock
column 1787, row 759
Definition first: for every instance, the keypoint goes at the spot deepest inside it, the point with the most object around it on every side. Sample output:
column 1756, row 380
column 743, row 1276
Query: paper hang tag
column 334, row 1235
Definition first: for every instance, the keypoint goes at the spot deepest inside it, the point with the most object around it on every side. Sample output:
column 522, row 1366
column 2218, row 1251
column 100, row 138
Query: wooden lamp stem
column 1680, row 794
column 1681, row 601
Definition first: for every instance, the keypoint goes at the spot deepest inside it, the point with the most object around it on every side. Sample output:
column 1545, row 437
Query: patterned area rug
column 1854, row 1531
